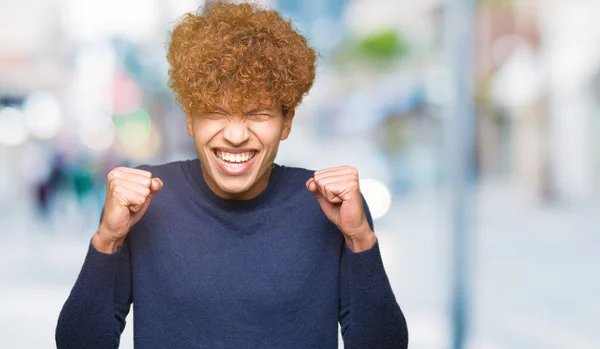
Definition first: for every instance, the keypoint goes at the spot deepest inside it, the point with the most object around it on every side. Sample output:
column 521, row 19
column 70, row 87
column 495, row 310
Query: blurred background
column 83, row 89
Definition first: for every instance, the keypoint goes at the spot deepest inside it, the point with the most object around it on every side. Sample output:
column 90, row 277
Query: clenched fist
column 338, row 193
column 128, row 194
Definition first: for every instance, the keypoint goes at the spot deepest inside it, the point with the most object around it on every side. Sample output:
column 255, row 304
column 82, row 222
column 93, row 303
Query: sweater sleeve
column 369, row 315
column 94, row 314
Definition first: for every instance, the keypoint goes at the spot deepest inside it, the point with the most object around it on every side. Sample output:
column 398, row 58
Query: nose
column 236, row 132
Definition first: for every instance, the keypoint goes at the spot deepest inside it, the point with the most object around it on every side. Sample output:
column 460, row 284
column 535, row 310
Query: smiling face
column 237, row 150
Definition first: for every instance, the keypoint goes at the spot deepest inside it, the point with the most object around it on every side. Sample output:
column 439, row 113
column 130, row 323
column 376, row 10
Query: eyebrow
column 251, row 111
column 224, row 111
column 257, row 110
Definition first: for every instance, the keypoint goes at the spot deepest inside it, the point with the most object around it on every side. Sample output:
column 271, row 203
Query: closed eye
column 259, row 116
column 215, row 115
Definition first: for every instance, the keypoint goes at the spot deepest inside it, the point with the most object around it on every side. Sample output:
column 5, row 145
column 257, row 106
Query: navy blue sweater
column 207, row 272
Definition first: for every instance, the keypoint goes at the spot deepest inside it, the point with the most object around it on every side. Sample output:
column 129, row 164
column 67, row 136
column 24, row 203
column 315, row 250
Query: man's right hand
column 128, row 194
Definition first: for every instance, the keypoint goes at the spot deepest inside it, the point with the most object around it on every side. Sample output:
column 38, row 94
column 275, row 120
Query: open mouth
column 234, row 163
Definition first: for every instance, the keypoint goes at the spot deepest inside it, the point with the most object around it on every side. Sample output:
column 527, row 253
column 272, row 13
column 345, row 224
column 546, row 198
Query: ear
column 188, row 121
column 287, row 123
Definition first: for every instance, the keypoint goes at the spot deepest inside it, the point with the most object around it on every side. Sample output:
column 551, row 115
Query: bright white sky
column 24, row 24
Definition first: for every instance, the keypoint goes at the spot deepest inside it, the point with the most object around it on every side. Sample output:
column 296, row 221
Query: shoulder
column 296, row 174
column 166, row 170
column 298, row 202
column 294, row 178
column 292, row 184
column 176, row 177
column 174, row 195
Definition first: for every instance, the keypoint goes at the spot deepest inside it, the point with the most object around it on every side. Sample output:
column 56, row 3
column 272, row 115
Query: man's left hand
column 338, row 193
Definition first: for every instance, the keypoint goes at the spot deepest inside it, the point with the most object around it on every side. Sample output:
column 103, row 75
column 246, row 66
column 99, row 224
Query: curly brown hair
column 238, row 54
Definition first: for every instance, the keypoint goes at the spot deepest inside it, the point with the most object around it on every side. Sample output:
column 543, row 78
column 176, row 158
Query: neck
column 251, row 193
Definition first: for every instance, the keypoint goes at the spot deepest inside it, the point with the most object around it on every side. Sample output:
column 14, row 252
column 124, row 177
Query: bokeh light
column 127, row 95
column 13, row 130
column 43, row 115
column 100, row 138
column 137, row 139
column 141, row 150
column 94, row 120
column 377, row 195
column 133, row 129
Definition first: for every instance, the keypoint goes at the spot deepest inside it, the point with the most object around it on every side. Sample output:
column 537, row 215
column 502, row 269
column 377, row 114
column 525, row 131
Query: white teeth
column 230, row 157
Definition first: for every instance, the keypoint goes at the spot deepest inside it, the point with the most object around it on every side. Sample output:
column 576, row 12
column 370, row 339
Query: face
column 237, row 150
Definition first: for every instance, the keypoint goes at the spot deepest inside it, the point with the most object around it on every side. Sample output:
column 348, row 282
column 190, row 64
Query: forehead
column 263, row 105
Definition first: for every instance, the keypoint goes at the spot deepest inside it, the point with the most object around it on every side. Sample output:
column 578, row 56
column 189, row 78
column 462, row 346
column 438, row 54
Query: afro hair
column 238, row 54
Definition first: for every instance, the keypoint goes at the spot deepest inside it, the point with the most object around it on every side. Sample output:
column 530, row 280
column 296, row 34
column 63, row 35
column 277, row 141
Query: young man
column 231, row 250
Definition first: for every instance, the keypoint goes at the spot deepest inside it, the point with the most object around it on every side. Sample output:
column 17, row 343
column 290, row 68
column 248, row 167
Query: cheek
column 205, row 131
column 267, row 133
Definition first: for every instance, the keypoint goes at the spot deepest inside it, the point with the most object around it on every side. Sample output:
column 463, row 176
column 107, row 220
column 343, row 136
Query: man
column 230, row 249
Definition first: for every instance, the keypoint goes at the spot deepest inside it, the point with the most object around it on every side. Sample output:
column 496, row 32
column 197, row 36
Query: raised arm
column 94, row 314
column 369, row 314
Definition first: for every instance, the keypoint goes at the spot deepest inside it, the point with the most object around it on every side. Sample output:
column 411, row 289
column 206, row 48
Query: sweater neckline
column 195, row 172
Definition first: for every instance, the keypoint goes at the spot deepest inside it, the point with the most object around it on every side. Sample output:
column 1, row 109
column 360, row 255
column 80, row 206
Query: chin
column 234, row 188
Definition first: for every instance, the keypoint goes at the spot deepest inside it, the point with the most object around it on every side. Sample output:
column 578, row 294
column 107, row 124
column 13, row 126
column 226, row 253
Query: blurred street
column 84, row 88
column 535, row 280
